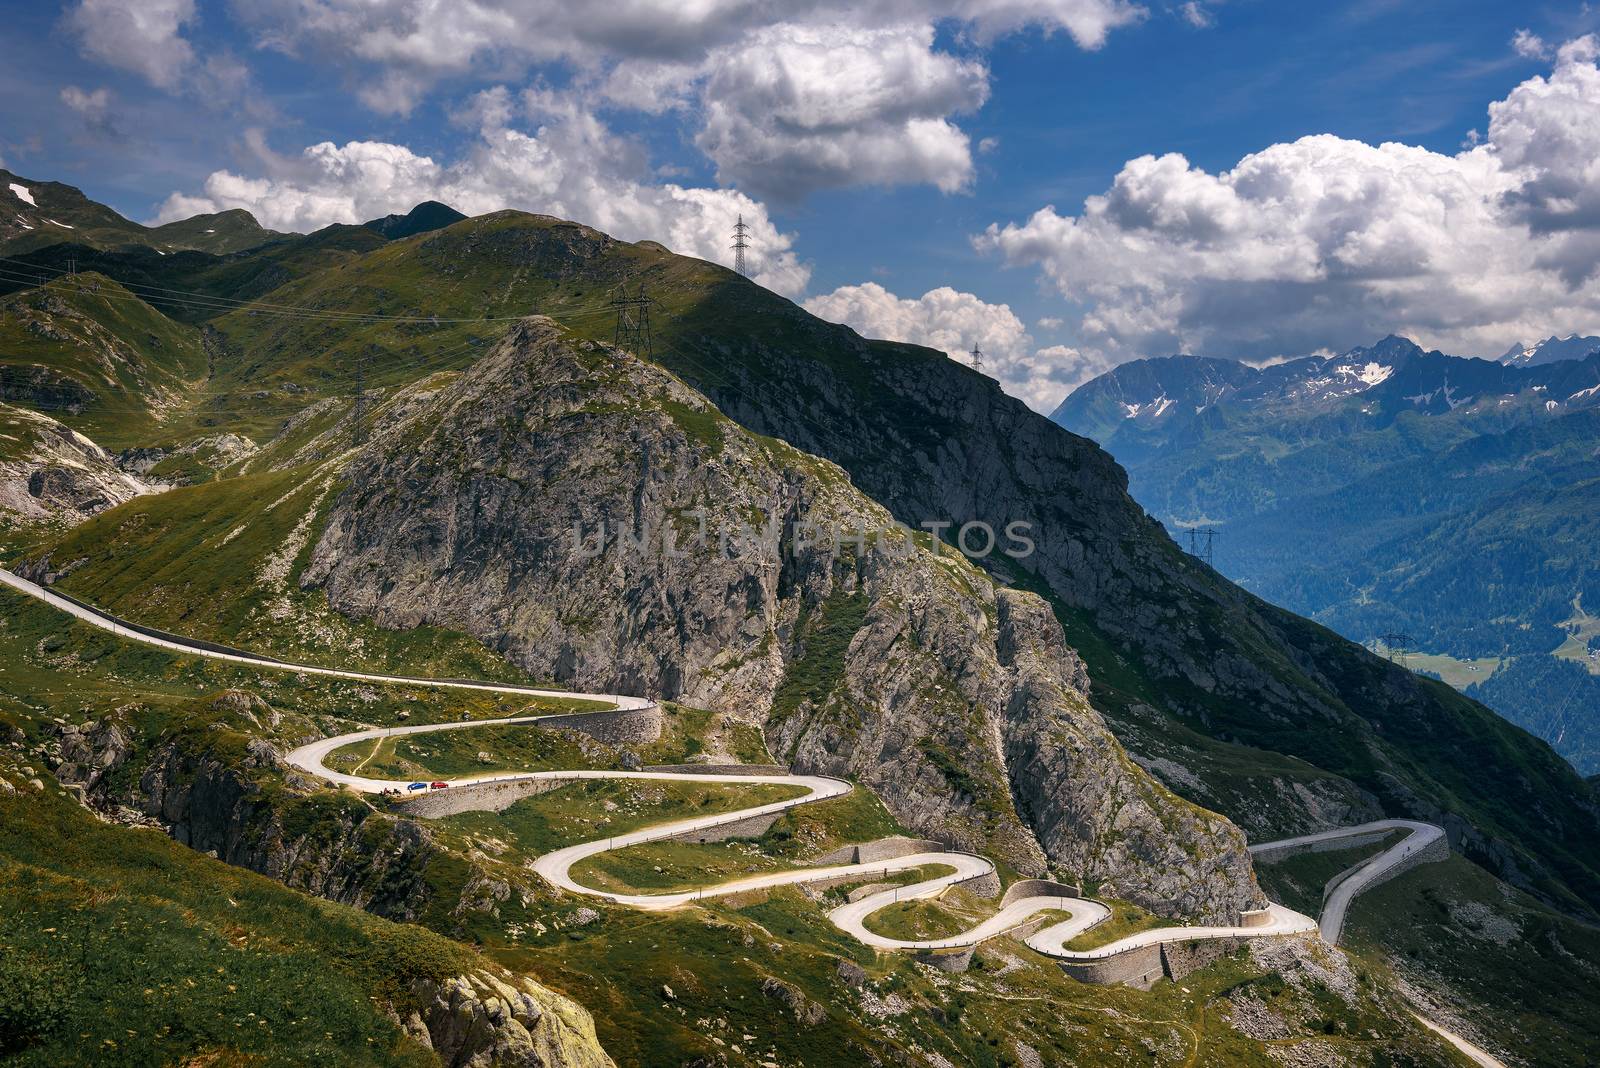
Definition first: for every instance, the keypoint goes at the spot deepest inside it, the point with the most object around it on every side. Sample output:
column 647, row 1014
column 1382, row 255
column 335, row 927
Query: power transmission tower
column 977, row 359
column 633, row 323
column 741, row 233
column 1211, row 543
column 1396, row 643
column 1206, row 549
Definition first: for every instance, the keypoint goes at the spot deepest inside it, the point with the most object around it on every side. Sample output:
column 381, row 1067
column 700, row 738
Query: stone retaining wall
column 622, row 726
column 1255, row 917
column 985, row 885
column 749, row 827
column 882, row 849
column 947, row 960
column 1023, row 888
column 1178, row 959
column 1138, row 967
column 721, row 769
column 1327, row 845
column 482, row 797
column 1438, row 849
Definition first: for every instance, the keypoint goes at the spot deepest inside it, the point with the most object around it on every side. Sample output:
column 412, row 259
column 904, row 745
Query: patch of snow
column 63, row 225
column 1591, row 391
column 1374, row 373
column 210, row 231
column 1130, row 410
column 1551, row 405
column 1163, row 402
column 25, row 226
column 23, row 194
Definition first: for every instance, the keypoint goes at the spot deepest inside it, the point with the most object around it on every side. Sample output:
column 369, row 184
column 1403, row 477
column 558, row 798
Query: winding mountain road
column 1363, row 875
column 556, row 866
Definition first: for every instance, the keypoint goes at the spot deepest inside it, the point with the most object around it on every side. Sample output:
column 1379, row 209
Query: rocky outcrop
column 1104, row 822
column 483, row 1020
column 47, row 469
column 601, row 523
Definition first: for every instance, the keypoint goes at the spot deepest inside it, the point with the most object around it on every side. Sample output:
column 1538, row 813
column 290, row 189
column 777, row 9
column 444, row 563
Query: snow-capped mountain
column 1551, row 350
column 1155, row 399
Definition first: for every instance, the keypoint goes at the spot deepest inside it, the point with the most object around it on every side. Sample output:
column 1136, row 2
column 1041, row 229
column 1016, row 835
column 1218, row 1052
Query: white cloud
column 142, row 36
column 954, row 323
column 790, row 98
column 1051, row 322
column 571, row 166
column 1332, row 241
column 1529, row 45
column 803, row 109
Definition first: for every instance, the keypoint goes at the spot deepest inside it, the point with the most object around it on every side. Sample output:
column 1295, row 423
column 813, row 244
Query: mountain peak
column 426, row 216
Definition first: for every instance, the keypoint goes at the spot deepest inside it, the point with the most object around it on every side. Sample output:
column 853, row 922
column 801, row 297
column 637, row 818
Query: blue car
column 417, row 786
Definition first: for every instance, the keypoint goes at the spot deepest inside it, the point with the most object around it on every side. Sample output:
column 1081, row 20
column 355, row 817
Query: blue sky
column 874, row 172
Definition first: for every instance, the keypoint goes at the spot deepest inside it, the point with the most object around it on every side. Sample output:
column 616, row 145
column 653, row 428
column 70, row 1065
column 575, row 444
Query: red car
column 438, row 786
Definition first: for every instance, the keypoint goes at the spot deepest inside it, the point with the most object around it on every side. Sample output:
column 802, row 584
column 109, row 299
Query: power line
column 740, row 244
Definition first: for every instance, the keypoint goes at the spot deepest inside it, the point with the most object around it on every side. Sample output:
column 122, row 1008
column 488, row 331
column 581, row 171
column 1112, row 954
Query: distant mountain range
column 1551, row 350
column 1391, row 490
column 36, row 215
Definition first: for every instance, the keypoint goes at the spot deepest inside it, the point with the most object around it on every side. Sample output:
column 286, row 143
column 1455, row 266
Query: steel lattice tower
column 741, row 233
column 633, row 323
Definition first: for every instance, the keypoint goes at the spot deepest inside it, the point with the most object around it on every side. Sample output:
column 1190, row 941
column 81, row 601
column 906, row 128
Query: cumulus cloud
column 1329, row 241
column 805, row 109
column 954, row 323
column 789, row 98
column 571, row 166
column 142, row 36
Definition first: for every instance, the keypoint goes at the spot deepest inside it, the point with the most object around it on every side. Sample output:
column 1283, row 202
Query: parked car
column 417, row 786
column 438, row 786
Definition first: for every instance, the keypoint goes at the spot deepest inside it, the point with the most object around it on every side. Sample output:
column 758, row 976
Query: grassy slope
column 122, row 946
column 116, row 362
column 192, row 560
column 1523, row 971
column 715, row 960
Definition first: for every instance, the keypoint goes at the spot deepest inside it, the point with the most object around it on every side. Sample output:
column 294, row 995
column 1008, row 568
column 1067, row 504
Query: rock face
column 960, row 704
column 482, row 1020
column 52, row 470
